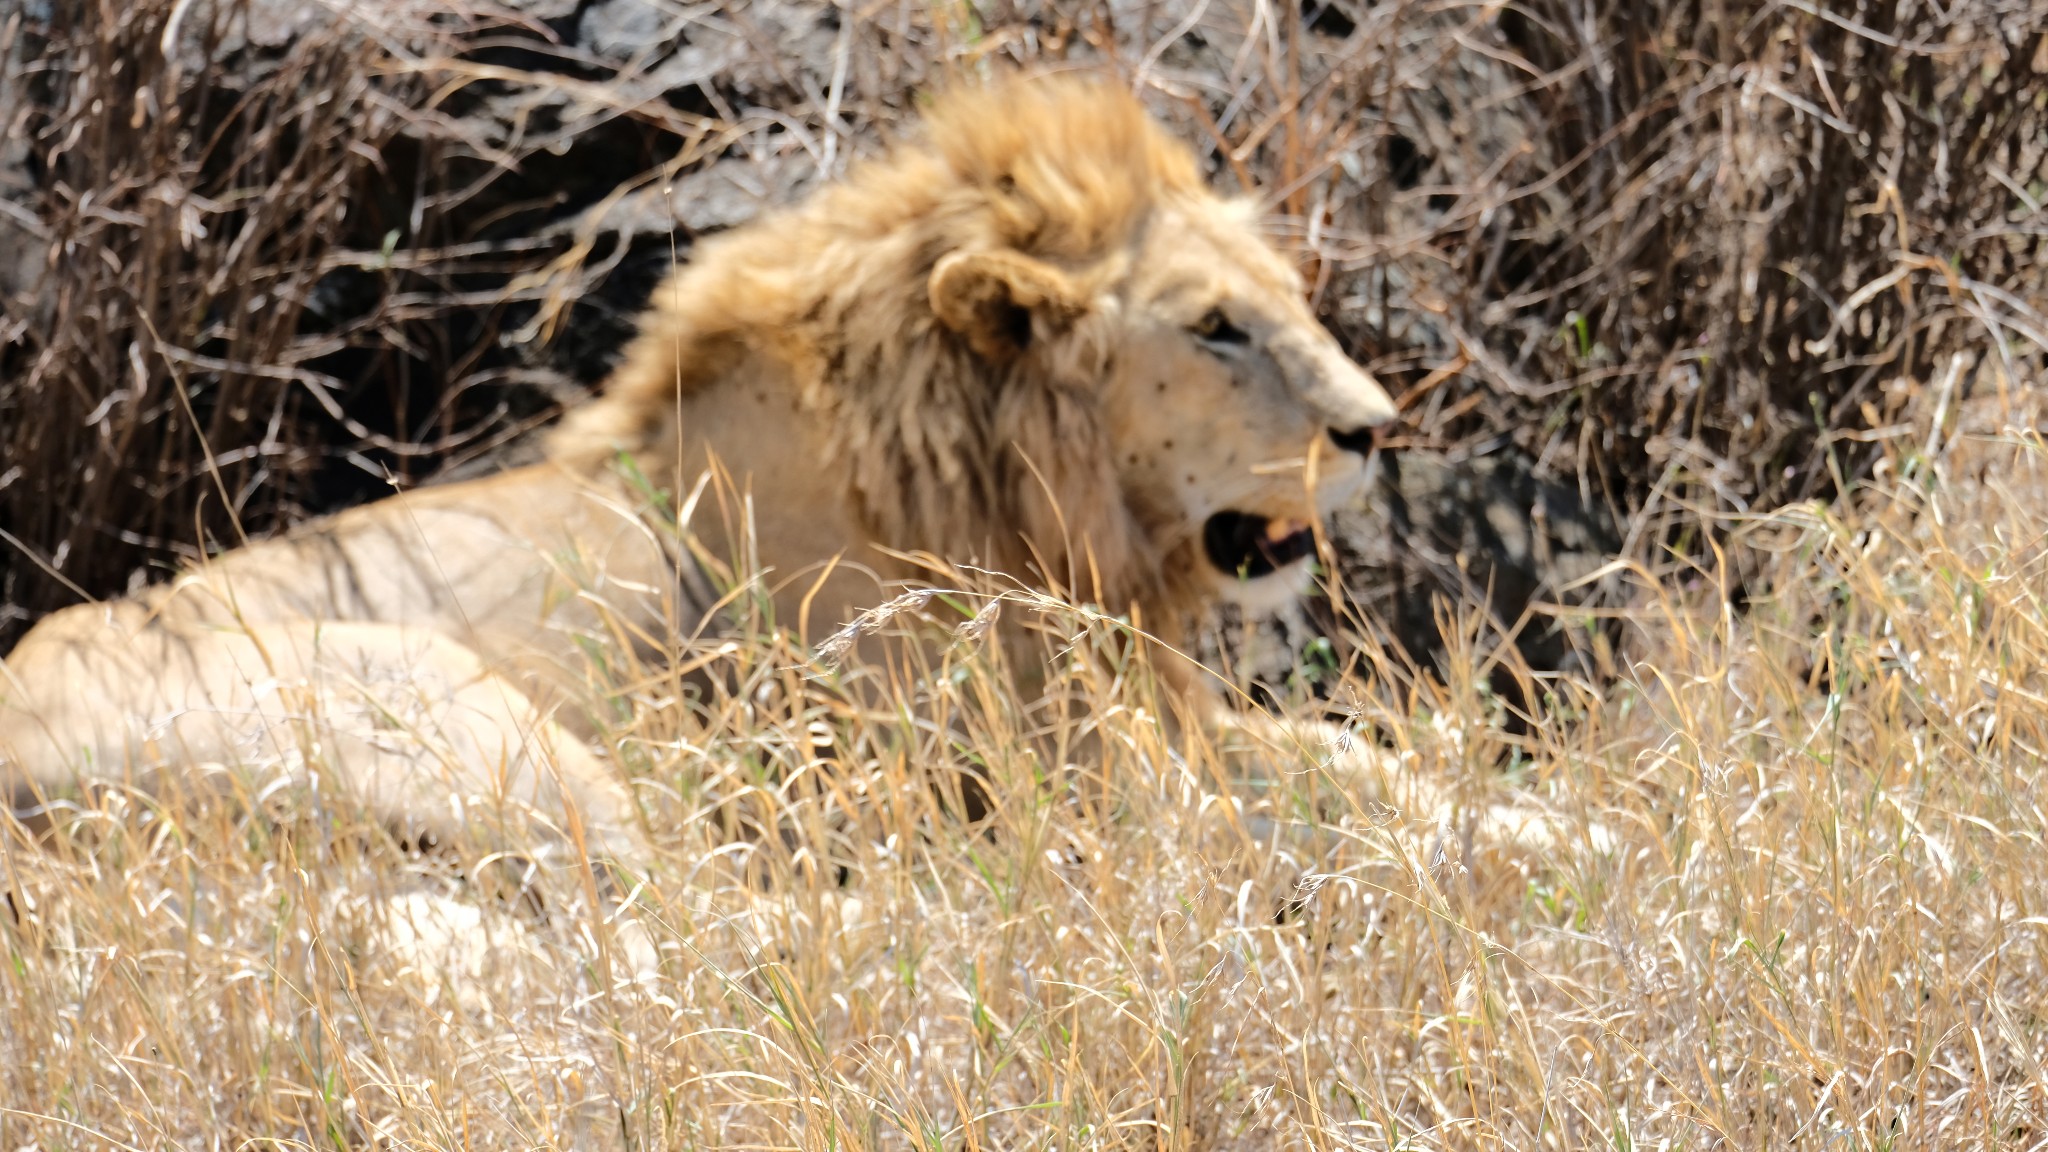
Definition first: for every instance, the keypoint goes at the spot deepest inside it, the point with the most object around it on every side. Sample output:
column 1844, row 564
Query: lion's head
column 1233, row 419
column 1034, row 340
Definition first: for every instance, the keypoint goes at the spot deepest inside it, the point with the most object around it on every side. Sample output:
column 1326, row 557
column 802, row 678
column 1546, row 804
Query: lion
column 1030, row 340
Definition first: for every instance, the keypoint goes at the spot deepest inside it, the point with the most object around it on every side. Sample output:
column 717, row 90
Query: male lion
column 1032, row 341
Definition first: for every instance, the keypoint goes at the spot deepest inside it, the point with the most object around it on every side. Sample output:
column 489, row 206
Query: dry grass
column 1779, row 886
column 1775, row 885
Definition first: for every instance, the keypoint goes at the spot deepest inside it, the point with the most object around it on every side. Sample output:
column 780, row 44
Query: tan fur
column 985, row 347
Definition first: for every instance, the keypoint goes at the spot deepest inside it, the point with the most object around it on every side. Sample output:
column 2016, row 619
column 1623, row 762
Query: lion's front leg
column 1421, row 814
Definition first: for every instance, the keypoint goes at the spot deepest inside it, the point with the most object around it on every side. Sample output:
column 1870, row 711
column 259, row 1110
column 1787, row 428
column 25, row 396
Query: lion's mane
column 942, row 450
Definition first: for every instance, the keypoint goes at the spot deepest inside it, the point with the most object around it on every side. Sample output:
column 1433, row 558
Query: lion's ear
column 1000, row 301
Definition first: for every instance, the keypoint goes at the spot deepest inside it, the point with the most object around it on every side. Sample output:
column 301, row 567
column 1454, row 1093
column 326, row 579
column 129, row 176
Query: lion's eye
column 1216, row 328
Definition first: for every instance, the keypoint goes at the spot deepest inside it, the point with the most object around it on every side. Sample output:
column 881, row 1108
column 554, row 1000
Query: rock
column 1479, row 531
column 721, row 195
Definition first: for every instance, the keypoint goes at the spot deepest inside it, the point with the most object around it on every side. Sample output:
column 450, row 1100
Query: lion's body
column 401, row 642
column 1035, row 343
column 510, row 566
column 493, row 562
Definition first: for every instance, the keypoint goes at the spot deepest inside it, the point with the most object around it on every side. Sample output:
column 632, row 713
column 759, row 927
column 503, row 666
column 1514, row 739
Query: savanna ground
column 1762, row 870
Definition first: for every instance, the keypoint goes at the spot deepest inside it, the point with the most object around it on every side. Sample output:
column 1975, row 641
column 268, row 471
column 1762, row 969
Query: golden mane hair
column 945, row 448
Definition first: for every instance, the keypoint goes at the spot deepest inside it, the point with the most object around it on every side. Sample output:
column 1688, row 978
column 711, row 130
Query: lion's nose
column 1346, row 396
column 1359, row 440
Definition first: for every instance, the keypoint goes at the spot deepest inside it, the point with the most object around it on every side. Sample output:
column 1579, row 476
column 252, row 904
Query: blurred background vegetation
column 1633, row 265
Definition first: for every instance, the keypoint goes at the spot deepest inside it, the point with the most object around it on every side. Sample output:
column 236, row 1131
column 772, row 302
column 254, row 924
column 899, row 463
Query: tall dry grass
column 1772, row 886
column 1776, row 887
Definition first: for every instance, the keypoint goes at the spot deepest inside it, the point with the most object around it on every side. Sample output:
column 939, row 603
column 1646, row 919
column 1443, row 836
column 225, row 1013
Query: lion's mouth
column 1249, row 546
